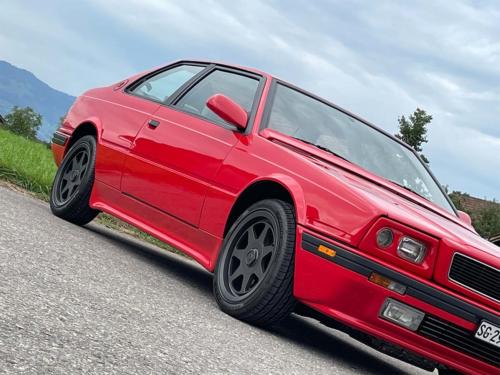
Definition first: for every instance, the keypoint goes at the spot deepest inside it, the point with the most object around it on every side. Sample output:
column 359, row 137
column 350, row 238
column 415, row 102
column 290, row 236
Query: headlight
column 385, row 236
column 411, row 249
column 402, row 245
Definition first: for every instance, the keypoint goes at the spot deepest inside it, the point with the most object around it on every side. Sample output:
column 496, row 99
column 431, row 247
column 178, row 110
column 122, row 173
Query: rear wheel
column 254, row 273
column 70, row 195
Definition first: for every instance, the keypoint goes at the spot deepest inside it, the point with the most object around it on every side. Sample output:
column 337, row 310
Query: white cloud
column 379, row 59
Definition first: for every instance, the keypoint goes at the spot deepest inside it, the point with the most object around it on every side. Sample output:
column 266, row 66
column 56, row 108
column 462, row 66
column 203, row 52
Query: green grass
column 30, row 165
column 26, row 163
column 116, row 224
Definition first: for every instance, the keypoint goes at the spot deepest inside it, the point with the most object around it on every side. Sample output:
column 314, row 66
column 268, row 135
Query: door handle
column 153, row 123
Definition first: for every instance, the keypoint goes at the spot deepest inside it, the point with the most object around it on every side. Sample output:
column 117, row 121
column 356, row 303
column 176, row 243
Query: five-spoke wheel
column 73, row 183
column 254, row 273
column 251, row 256
column 71, row 179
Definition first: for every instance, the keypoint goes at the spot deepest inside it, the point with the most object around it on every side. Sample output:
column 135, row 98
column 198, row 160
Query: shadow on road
column 183, row 268
column 323, row 341
column 296, row 329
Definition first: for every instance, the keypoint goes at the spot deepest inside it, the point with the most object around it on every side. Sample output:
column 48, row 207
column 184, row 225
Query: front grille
column 475, row 275
column 459, row 339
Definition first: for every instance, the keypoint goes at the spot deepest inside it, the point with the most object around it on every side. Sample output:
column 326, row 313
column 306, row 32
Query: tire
column 70, row 194
column 253, row 278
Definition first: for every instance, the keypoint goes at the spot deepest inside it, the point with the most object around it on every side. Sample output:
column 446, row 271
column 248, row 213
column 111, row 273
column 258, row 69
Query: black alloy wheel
column 253, row 278
column 70, row 195
column 72, row 175
column 251, row 255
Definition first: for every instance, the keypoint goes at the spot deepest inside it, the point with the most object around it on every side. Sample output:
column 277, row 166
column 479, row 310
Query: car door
column 176, row 156
column 127, row 111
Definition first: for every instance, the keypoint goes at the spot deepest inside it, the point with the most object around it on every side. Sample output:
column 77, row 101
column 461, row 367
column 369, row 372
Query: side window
column 238, row 87
column 164, row 84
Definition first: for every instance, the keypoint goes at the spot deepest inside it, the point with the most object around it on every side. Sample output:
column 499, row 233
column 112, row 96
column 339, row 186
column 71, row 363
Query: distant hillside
column 20, row 87
column 485, row 214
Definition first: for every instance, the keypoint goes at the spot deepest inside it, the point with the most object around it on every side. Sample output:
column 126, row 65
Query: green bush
column 486, row 221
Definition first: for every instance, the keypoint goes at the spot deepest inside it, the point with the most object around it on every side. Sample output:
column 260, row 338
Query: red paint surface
column 180, row 180
column 228, row 110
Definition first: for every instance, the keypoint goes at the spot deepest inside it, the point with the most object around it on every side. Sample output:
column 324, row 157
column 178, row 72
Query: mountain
column 20, row 87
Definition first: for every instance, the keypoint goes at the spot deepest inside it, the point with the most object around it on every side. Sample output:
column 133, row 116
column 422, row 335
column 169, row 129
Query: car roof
column 304, row 91
column 222, row 63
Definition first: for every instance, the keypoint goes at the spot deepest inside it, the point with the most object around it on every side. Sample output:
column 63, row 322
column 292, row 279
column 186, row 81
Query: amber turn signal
column 387, row 283
column 327, row 251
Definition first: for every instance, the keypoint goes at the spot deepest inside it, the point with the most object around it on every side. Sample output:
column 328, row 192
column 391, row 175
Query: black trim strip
column 339, row 259
column 60, row 138
column 428, row 294
column 157, row 209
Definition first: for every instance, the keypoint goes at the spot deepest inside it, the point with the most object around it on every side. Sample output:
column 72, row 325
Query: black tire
column 267, row 295
column 70, row 194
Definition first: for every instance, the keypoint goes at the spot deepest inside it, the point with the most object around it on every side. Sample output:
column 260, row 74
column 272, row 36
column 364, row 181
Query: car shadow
column 298, row 330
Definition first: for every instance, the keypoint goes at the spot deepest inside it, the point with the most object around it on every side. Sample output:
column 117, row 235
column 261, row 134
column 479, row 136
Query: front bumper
column 338, row 287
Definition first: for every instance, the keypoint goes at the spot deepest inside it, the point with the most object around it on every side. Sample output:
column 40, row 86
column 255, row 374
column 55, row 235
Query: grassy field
column 29, row 165
column 26, row 163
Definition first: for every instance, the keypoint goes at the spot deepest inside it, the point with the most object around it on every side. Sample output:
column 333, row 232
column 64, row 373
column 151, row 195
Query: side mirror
column 464, row 217
column 228, row 110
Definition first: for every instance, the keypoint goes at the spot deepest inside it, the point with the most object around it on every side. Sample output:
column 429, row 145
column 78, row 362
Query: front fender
column 294, row 189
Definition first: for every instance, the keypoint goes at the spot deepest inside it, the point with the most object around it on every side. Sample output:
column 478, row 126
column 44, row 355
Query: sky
column 378, row 59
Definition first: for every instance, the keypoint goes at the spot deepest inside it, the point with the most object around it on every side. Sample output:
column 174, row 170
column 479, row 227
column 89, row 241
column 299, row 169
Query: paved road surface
column 88, row 300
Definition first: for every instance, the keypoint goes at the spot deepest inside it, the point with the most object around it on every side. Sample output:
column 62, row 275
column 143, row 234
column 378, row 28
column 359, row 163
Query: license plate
column 489, row 333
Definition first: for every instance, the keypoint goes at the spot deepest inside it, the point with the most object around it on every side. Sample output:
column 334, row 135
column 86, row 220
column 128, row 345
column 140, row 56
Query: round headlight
column 385, row 237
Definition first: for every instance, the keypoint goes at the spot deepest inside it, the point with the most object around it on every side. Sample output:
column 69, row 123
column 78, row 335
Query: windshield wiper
column 409, row 189
column 322, row 148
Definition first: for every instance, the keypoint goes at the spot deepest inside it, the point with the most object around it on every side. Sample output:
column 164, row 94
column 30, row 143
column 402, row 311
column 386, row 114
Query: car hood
column 404, row 210
column 390, row 199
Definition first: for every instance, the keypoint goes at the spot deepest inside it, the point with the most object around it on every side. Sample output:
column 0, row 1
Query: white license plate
column 489, row 333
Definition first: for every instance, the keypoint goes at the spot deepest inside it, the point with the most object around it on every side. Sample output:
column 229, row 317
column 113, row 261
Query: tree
column 413, row 130
column 455, row 197
column 23, row 121
column 487, row 221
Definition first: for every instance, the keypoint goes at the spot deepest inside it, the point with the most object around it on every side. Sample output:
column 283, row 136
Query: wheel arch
column 87, row 127
column 271, row 187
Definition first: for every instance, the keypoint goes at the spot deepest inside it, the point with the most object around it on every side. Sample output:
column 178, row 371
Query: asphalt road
column 90, row 300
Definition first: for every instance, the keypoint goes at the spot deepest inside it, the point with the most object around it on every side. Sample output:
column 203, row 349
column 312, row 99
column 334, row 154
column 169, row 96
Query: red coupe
column 294, row 203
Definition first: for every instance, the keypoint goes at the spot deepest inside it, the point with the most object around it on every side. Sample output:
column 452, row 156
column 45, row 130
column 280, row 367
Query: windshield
column 313, row 121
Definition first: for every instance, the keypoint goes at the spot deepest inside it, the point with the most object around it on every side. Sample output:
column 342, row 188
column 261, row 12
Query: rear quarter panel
column 117, row 117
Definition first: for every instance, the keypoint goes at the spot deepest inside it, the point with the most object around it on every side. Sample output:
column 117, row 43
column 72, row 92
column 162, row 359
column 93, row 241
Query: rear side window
column 240, row 88
column 162, row 85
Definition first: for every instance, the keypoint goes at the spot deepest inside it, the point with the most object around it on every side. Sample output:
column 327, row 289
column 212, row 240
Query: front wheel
column 254, row 274
column 70, row 194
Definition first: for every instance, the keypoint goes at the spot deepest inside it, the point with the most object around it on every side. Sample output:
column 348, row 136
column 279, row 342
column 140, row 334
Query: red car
column 292, row 202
